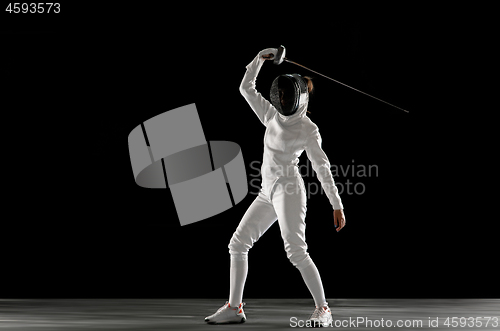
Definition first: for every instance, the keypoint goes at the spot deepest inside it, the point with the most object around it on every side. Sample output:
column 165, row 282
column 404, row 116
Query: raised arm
column 262, row 107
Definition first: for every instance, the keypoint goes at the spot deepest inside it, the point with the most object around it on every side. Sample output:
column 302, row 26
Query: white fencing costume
column 283, row 195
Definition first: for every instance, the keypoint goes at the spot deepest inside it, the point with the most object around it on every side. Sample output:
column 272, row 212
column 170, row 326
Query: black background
column 75, row 85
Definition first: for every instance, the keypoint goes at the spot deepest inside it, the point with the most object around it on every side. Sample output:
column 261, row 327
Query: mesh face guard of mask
column 288, row 93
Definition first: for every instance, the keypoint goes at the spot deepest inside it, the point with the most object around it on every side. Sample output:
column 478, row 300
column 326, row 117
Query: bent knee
column 300, row 259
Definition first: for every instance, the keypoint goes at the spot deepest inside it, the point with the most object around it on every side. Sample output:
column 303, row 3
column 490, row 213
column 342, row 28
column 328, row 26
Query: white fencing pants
column 287, row 204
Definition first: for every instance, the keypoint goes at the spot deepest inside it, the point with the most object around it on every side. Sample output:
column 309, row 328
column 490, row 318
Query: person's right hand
column 269, row 56
column 268, row 53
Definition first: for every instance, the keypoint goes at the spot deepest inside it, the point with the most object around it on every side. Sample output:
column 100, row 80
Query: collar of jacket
column 292, row 119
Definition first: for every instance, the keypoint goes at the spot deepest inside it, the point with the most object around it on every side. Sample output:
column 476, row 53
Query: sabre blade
column 352, row 88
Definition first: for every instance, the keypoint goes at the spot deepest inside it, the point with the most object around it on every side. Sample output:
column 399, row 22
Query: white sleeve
column 262, row 107
column 321, row 166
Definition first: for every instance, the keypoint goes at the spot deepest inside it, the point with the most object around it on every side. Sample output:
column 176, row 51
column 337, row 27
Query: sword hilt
column 280, row 55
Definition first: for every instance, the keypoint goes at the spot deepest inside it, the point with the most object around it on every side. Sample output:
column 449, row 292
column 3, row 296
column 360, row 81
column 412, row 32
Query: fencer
column 289, row 132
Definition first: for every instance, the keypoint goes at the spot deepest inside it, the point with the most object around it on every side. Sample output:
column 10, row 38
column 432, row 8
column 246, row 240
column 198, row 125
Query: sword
column 280, row 57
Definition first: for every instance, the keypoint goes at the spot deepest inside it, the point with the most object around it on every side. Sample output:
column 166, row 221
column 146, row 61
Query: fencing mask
column 288, row 92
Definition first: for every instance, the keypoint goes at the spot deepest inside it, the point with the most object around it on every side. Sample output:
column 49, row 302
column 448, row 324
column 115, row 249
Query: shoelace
column 221, row 308
column 318, row 312
column 225, row 305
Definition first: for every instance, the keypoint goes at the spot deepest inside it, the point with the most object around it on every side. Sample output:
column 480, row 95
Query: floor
column 275, row 314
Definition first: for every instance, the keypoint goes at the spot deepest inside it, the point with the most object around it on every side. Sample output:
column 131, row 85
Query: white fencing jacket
column 286, row 137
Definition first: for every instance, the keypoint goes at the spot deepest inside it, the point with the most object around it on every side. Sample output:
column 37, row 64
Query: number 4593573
column 33, row 7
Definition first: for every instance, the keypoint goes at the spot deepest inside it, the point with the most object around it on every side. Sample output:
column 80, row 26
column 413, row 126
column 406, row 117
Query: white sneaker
column 322, row 316
column 227, row 314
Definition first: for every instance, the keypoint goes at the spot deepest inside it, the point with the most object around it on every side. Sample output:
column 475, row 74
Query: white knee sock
column 312, row 279
column 238, row 276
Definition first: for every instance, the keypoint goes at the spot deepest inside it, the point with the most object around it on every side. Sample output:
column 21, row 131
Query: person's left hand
column 338, row 219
